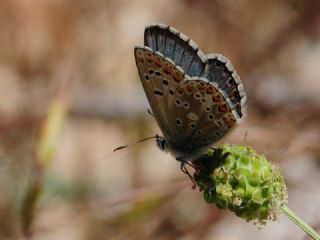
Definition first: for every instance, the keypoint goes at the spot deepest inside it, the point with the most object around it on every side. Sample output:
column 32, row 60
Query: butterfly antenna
column 135, row 143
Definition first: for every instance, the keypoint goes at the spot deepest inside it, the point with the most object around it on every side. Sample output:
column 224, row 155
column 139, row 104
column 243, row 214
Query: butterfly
column 196, row 99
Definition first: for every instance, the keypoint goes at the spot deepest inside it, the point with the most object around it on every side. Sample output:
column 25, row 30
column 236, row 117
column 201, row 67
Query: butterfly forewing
column 160, row 78
column 176, row 46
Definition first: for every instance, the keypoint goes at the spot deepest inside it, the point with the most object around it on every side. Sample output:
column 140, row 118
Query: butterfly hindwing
column 220, row 70
column 203, row 113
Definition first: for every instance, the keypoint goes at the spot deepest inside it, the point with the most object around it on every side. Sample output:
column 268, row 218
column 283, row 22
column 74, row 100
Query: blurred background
column 59, row 176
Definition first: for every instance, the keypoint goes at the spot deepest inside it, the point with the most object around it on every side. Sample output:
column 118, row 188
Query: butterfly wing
column 186, row 54
column 176, row 46
column 160, row 78
column 218, row 69
column 195, row 98
column 202, row 113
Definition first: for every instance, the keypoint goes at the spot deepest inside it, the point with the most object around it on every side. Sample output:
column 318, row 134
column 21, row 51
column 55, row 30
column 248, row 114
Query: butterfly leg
column 185, row 170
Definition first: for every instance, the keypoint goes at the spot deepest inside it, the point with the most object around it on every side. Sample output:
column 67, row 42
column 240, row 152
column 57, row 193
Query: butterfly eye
column 151, row 71
column 146, row 77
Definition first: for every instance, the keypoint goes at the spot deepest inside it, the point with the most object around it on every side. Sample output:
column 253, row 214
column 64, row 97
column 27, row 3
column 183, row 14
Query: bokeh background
column 59, row 176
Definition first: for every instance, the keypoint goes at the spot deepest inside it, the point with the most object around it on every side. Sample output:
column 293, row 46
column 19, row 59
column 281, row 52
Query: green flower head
column 238, row 179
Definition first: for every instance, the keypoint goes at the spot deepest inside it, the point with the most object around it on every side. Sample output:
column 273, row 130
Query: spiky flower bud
column 238, row 179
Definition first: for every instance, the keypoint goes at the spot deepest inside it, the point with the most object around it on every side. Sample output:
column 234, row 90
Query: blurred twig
column 48, row 143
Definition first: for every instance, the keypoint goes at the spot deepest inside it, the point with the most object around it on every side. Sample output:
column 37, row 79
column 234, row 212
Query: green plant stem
column 300, row 223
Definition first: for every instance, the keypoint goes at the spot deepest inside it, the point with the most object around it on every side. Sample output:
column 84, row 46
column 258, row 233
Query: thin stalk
column 300, row 223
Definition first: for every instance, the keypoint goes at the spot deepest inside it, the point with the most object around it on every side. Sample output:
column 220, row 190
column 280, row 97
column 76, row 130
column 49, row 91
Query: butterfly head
column 183, row 155
column 162, row 143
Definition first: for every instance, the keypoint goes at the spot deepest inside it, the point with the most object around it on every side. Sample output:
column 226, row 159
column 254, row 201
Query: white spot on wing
column 193, row 116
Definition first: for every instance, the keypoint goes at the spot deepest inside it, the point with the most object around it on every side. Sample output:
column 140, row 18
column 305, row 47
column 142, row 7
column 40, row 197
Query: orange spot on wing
column 200, row 85
column 157, row 61
column 181, row 90
column 223, row 107
column 190, row 88
column 210, row 90
column 177, row 76
column 166, row 68
column 216, row 98
column 149, row 58
column 229, row 121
